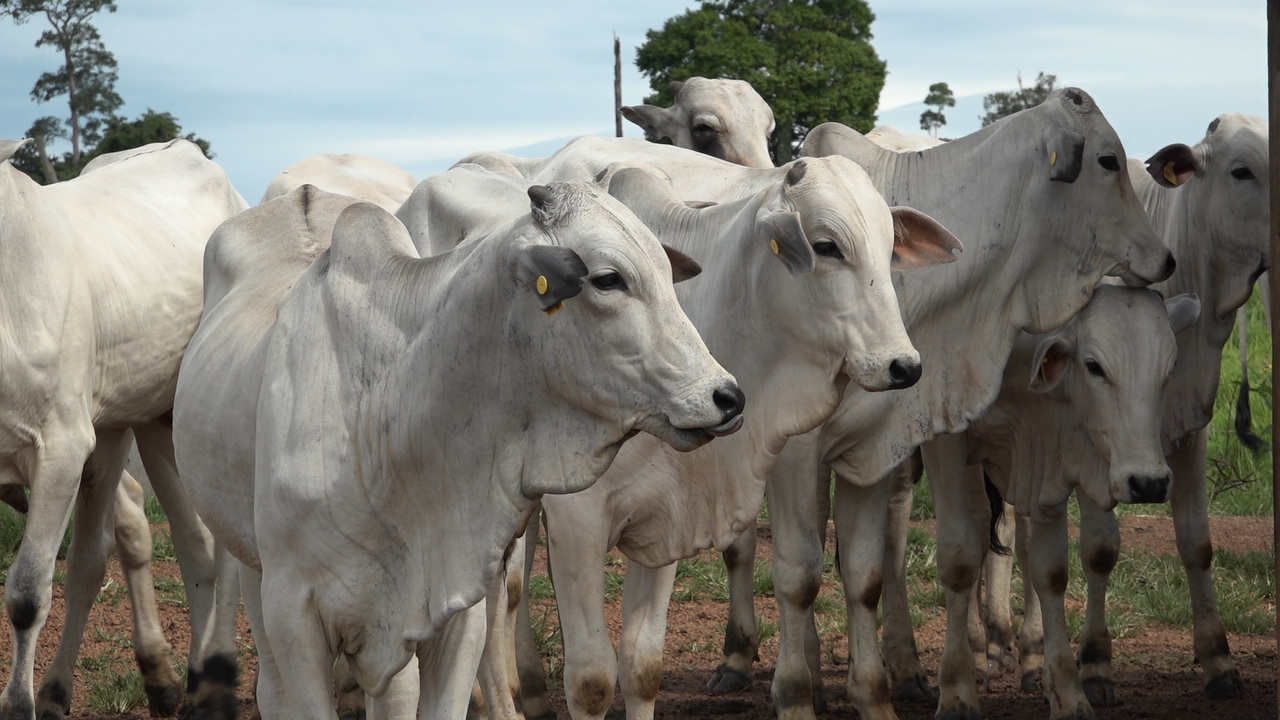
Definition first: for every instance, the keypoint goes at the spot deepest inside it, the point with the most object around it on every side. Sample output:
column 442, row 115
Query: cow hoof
column 727, row 680
column 615, row 713
column 960, row 712
column 163, row 700
column 1101, row 692
column 916, row 689
column 1081, row 713
column 1031, row 681
column 216, row 706
column 50, row 715
column 17, row 710
column 1226, row 686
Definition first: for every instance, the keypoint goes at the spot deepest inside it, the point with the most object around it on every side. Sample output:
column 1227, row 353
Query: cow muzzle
column 1148, row 488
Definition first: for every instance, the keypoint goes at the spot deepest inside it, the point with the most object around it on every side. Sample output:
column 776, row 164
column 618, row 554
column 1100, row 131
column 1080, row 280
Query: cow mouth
column 726, row 428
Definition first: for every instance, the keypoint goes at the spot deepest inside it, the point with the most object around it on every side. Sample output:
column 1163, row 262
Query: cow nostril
column 730, row 400
column 1170, row 265
column 1148, row 489
column 903, row 375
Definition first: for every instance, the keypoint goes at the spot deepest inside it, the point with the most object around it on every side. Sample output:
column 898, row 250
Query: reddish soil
column 1155, row 673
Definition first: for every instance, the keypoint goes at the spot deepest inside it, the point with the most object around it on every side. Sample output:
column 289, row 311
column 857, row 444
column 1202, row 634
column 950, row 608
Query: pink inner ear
column 1052, row 368
column 919, row 241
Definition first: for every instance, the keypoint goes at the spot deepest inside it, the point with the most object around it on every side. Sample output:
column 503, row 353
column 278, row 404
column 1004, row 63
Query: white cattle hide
column 359, row 176
column 891, row 138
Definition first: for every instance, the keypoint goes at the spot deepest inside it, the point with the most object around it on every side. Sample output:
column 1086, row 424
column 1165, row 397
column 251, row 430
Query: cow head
column 601, row 315
column 1223, row 184
column 1111, row 363
column 719, row 117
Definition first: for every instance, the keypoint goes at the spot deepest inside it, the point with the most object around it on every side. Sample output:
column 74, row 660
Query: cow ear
column 553, row 273
column 9, row 147
column 1066, row 153
column 1053, row 356
column 919, row 241
column 1183, row 311
column 683, row 267
column 651, row 118
column 1173, row 165
column 781, row 231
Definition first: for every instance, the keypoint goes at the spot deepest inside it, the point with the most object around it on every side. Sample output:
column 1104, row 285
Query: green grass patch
column 155, row 513
column 701, row 578
column 114, row 692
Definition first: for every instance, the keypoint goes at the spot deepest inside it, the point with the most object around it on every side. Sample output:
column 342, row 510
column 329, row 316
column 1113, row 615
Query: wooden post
column 1273, row 88
column 617, row 84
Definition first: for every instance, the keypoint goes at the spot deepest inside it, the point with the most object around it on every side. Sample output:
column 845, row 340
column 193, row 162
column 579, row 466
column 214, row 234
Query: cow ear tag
column 1169, row 174
column 1053, row 159
column 774, row 245
column 542, row 284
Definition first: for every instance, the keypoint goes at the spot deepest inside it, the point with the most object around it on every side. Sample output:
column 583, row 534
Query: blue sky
column 422, row 84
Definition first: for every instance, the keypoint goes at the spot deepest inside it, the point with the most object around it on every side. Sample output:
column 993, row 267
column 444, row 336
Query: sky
column 421, row 84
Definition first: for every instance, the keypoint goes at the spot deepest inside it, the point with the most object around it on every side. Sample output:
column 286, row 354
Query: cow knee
column 592, row 693
column 647, row 680
column 1102, row 560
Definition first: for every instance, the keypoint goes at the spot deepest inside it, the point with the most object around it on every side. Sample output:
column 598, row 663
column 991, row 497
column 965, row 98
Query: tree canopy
column 941, row 97
column 1000, row 104
column 119, row 134
column 811, row 60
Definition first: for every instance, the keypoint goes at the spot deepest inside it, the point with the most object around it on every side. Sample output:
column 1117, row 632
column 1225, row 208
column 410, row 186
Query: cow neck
column 1194, row 385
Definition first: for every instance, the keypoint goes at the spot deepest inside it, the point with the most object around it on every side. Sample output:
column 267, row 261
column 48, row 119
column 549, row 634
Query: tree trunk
column 50, row 176
column 71, row 100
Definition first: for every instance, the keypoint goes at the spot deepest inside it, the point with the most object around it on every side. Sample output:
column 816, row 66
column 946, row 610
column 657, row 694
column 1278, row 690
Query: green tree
column 1000, row 104
column 150, row 127
column 941, row 97
column 811, row 60
column 88, row 73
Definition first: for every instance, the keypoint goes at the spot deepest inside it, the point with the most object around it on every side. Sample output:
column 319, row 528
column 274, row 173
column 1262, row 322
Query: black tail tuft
column 1244, row 420
column 997, row 515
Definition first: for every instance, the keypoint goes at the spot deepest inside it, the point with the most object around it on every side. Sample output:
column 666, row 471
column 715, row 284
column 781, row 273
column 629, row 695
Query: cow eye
column 1109, row 162
column 1242, row 173
column 609, row 281
column 826, row 248
column 703, row 129
column 1094, row 369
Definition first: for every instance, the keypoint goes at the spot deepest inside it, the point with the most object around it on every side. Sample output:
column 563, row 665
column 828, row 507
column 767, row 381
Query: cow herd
column 357, row 399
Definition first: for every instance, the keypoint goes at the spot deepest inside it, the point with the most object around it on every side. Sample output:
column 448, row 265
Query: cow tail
column 1244, row 414
column 997, row 516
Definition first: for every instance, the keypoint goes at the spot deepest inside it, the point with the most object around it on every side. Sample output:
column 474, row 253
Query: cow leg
column 448, row 664
column 86, row 566
column 1031, row 635
column 299, row 644
column 400, row 701
column 269, row 690
column 213, row 598
column 860, row 514
column 1047, row 567
column 1189, row 502
column 798, row 510
column 496, row 661
column 646, row 594
column 532, row 673
column 901, row 656
column 351, row 700
column 741, row 638
column 963, row 534
column 577, row 569
column 1099, row 548
column 998, row 602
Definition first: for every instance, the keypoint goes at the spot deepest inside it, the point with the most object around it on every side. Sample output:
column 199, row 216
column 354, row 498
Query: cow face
column 723, row 118
column 1223, row 182
column 856, row 240
column 1112, row 363
column 612, row 338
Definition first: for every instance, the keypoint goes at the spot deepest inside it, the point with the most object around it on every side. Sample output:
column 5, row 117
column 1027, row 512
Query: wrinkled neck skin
column 964, row 316
column 1204, row 269
column 665, row 505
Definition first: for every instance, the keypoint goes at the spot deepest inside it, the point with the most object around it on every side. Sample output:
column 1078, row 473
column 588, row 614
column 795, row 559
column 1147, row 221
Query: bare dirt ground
column 1155, row 672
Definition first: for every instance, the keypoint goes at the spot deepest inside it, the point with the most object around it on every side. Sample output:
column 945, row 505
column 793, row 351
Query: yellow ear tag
column 1053, row 158
column 1044, row 376
column 1169, row 174
column 542, row 284
column 774, row 244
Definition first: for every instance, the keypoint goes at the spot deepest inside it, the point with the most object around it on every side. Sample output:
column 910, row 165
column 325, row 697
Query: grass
column 113, row 691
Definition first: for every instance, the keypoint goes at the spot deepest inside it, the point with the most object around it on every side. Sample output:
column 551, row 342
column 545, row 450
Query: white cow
column 102, row 292
column 359, row 176
column 1080, row 410
column 720, row 117
column 421, row 407
column 806, row 331
column 891, row 138
column 1045, row 211
column 1210, row 203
